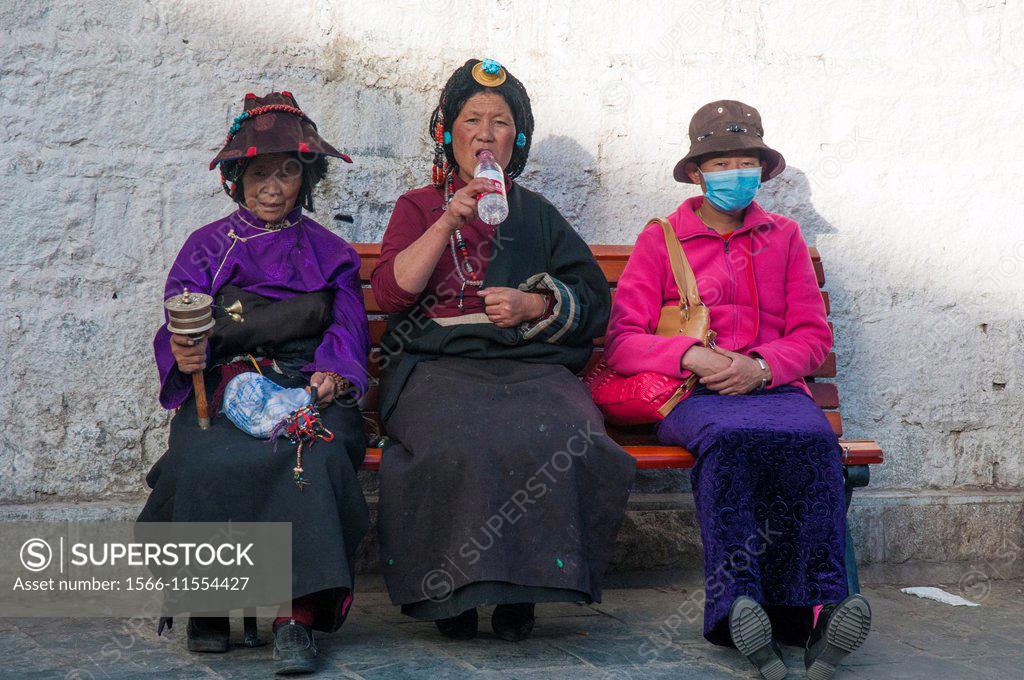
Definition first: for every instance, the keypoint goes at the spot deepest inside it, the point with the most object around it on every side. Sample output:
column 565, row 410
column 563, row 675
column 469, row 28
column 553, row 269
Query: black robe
column 224, row 474
column 499, row 483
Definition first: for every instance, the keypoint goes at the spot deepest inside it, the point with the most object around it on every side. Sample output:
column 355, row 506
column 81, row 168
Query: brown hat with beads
column 273, row 123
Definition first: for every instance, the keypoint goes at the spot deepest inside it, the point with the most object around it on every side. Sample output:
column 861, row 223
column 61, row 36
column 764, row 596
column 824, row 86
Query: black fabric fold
column 267, row 325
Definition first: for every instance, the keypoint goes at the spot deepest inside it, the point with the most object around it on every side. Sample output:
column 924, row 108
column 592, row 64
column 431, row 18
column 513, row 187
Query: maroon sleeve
column 408, row 223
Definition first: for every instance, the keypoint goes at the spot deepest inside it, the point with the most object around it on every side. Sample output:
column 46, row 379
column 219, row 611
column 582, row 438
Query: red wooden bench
column 640, row 442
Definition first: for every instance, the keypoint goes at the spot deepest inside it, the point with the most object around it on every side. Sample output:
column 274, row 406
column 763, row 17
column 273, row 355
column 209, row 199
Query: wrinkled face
column 272, row 184
column 735, row 161
column 485, row 122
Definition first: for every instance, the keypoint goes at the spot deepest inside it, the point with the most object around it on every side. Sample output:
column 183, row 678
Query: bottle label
column 497, row 180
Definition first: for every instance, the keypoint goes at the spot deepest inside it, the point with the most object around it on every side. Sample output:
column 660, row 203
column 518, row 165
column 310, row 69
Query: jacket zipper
column 732, row 277
column 732, row 284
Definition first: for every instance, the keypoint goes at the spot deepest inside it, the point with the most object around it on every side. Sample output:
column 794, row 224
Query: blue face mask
column 732, row 190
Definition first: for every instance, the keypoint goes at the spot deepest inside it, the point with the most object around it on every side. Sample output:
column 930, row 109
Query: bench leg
column 856, row 476
column 252, row 636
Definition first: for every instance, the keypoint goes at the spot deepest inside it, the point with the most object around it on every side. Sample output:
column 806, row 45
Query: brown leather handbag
column 648, row 397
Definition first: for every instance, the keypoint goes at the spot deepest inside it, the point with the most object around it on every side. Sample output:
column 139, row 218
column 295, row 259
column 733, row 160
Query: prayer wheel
column 191, row 314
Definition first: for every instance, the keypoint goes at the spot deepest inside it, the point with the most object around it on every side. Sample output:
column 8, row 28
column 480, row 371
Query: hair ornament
column 489, row 73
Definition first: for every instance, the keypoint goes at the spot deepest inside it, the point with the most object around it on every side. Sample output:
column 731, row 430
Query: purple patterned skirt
column 768, row 486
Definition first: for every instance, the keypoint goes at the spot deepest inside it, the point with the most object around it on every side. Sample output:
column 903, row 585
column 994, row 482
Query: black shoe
column 208, row 634
column 461, row 627
column 294, row 648
column 841, row 629
column 751, row 632
column 513, row 622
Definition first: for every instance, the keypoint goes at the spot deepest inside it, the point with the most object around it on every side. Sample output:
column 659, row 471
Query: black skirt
column 223, row 474
column 499, row 485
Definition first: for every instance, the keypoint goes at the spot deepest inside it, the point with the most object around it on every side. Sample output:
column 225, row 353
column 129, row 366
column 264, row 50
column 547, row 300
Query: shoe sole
column 751, row 632
column 847, row 629
column 458, row 634
column 459, row 631
column 296, row 666
column 208, row 646
column 512, row 635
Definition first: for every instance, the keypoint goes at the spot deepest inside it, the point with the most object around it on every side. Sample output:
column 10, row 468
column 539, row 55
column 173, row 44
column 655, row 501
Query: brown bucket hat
column 273, row 123
column 724, row 126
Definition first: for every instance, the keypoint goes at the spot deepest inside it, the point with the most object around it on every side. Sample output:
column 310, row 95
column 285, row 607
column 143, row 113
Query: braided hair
column 461, row 86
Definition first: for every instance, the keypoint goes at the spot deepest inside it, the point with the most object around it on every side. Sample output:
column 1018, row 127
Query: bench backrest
column 612, row 260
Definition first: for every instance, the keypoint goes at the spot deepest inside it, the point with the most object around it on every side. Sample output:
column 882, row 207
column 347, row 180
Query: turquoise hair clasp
column 521, row 140
column 447, row 137
column 488, row 73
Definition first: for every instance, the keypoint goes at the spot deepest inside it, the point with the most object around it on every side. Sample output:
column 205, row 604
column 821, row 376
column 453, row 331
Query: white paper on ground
column 939, row 595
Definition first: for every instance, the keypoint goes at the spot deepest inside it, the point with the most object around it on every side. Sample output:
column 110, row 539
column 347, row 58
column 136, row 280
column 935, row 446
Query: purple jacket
column 279, row 264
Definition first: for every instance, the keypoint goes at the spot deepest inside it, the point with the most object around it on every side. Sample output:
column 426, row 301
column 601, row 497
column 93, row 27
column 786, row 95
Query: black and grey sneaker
column 751, row 632
column 208, row 634
column 294, row 648
column 513, row 622
column 461, row 627
column 841, row 629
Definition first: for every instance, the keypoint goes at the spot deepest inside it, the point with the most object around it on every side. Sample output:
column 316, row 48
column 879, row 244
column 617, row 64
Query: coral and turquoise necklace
column 468, row 276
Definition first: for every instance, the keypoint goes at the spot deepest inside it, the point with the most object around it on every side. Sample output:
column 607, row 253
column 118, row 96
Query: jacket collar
column 687, row 225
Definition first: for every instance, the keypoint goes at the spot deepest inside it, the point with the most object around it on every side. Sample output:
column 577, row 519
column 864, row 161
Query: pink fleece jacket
column 759, row 284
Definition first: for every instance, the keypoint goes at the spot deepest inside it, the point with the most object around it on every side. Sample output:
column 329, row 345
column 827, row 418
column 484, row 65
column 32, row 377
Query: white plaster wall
column 901, row 123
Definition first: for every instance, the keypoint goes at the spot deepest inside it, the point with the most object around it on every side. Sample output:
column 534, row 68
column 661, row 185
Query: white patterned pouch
column 256, row 404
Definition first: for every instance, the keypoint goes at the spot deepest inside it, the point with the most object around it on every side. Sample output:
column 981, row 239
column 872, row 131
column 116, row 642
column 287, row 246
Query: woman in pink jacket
column 768, row 481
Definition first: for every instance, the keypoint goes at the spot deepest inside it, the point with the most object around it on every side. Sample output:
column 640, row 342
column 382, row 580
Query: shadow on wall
column 789, row 194
column 566, row 174
column 861, row 389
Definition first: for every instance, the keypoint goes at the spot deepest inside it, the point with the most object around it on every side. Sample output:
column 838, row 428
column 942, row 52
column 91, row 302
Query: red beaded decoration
column 440, row 170
column 460, row 243
column 285, row 108
column 304, row 427
column 468, row 276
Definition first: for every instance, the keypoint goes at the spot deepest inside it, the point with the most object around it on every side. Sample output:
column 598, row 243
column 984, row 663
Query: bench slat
column 835, row 419
column 612, row 260
column 643, row 435
column 855, row 452
column 370, row 302
column 377, row 328
column 827, row 368
column 829, row 395
column 826, row 395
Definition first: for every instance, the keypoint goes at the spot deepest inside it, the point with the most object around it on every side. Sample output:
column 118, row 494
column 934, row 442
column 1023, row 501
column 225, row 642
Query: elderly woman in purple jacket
column 305, row 326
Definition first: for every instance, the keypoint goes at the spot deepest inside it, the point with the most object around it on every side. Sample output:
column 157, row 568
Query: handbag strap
column 686, row 282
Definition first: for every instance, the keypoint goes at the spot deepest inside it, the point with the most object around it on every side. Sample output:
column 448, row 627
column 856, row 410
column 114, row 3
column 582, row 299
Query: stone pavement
column 635, row 634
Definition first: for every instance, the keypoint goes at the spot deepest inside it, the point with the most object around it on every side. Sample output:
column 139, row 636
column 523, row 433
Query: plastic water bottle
column 492, row 207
